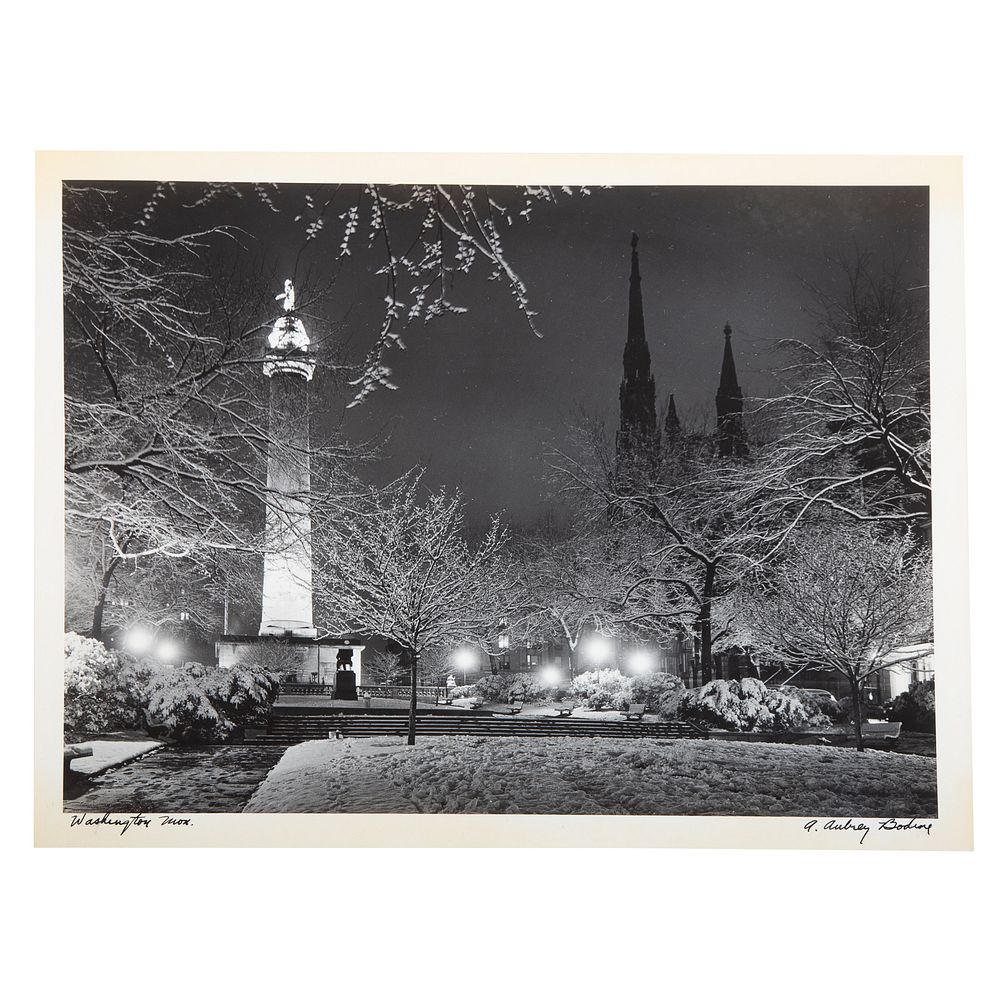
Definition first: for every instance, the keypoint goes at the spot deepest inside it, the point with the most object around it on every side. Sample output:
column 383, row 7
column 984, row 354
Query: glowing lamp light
column 640, row 660
column 551, row 676
column 167, row 651
column 465, row 658
column 137, row 641
column 598, row 649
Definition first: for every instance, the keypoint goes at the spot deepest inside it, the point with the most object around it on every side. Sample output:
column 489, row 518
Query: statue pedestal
column 346, row 687
column 301, row 660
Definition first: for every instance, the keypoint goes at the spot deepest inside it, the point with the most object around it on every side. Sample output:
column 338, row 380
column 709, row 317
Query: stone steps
column 288, row 728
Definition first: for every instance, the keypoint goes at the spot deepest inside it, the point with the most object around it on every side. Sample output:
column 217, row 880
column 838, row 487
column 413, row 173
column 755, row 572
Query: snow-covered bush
column 603, row 689
column 659, row 692
column 464, row 691
column 510, row 687
column 103, row 690
column 748, row 706
column 527, row 687
column 820, row 704
column 490, row 688
column 915, row 708
column 196, row 702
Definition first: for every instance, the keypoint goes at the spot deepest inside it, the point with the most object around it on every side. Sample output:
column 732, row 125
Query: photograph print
column 414, row 498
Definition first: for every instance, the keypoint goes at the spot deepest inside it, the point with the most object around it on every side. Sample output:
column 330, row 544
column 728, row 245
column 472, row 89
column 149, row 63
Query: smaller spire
column 729, row 404
column 635, row 240
column 728, row 383
column 672, row 424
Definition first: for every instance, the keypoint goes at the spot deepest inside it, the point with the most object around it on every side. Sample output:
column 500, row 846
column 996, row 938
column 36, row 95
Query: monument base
column 300, row 660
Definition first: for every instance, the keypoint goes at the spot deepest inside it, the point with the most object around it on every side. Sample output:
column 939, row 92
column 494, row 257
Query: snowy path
column 110, row 753
column 178, row 780
column 567, row 775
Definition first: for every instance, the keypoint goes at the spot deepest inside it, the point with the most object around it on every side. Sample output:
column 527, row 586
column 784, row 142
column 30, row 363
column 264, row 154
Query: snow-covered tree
column 842, row 599
column 570, row 581
column 399, row 565
column 852, row 415
column 690, row 538
column 167, row 429
column 165, row 319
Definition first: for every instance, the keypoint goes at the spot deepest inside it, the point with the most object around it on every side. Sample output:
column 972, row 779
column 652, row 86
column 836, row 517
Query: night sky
column 479, row 395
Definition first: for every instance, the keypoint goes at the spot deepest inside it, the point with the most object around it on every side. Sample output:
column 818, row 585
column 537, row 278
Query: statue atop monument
column 288, row 295
column 288, row 341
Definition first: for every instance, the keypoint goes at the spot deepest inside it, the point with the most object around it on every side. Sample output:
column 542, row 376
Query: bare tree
column 382, row 667
column 422, row 236
column 842, row 598
column 399, row 565
column 854, row 409
column 166, row 422
column 691, row 537
column 570, row 581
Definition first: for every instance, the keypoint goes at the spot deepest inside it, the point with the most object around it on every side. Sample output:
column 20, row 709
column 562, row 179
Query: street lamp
column 167, row 651
column 465, row 659
column 551, row 676
column 138, row 640
column 640, row 661
column 598, row 649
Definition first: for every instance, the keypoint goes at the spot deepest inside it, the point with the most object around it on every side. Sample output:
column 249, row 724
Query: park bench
column 74, row 753
column 515, row 707
column 475, row 703
column 563, row 711
column 444, row 699
column 881, row 730
column 635, row 712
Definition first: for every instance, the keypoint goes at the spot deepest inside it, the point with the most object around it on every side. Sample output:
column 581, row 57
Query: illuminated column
column 286, row 608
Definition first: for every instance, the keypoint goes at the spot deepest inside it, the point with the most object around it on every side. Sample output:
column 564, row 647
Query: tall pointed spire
column 672, row 423
column 729, row 405
column 638, row 389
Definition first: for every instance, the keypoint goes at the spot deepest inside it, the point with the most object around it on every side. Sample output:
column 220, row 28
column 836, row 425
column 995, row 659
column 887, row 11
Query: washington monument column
column 287, row 603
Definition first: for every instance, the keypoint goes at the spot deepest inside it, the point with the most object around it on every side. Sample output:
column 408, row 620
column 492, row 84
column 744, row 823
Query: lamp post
column 598, row 649
column 464, row 659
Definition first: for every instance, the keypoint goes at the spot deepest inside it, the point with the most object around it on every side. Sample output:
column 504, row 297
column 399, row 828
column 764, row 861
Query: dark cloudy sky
column 479, row 394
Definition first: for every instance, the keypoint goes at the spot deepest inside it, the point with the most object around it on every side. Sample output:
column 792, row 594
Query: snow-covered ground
column 110, row 753
column 587, row 776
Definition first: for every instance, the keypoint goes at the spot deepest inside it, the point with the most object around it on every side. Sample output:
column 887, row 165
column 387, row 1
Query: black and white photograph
column 565, row 500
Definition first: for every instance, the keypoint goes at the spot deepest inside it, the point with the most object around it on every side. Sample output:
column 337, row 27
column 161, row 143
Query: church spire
column 729, row 404
column 638, row 389
column 672, row 424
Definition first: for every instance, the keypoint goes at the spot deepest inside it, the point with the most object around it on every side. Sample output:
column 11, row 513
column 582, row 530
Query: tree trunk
column 97, row 628
column 411, row 732
column 572, row 662
column 856, row 700
column 705, row 624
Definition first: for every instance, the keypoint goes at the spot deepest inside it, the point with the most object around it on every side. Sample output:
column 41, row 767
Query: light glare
column 138, row 641
column 640, row 660
column 465, row 658
column 551, row 676
column 167, row 651
column 598, row 649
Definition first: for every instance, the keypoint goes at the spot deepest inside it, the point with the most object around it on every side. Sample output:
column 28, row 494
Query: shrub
column 819, row 704
column 197, row 703
column 509, row 687
column 747, row 705
column 463, row 691
column 660, row 693
column 527, row 687
column 490, row 687
column 103, row 690
column 603, row 689
column 914, row 709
